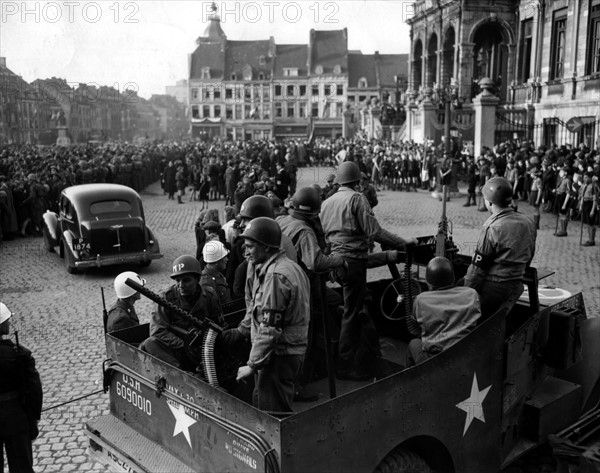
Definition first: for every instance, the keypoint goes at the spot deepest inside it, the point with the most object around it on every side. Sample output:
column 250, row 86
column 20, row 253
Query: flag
column 377, row 129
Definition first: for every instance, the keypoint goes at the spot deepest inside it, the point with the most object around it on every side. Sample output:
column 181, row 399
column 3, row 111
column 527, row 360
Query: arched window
column 337, row 69
column 319, row 69
column 362, row 83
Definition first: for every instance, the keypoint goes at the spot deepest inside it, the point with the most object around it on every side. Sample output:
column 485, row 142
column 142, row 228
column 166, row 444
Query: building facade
column 259, row 89
column 542, row 56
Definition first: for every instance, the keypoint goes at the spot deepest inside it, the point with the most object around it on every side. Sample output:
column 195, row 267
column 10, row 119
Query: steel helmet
column 5, row 313
column 257, row 206
column 185, row 264
column 307, row 201
column 498, row 191
column 214, row 251
column 348, row 172
column 439, row 272
column 263, row 230
column 123, row 290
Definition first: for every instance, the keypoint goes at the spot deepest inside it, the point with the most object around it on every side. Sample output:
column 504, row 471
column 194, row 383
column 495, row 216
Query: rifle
column 442, row 234
column 104, row 312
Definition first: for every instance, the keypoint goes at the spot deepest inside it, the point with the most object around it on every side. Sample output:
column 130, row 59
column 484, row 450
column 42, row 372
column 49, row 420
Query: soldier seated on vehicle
column 441, row 316
column 200, row 302
column 122, row 314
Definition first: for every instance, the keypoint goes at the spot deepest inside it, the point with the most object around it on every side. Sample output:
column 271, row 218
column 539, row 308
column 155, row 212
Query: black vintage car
column 100, row 225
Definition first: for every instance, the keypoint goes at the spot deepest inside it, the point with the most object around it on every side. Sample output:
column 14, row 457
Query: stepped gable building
column 259, row 89
column 543, row 58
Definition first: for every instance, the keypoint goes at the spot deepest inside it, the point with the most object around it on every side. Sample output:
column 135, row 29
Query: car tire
column 47, row 239
column 403, row 461
column 69, row 260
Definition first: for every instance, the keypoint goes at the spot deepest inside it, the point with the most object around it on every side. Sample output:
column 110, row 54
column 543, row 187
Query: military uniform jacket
column 349, row 222
column 207, row 305
column 121, row 315
column 445, row 316
column 14, row 417
column 277, row 310
column 214, row 279
column 307, row 247
column 506, row 245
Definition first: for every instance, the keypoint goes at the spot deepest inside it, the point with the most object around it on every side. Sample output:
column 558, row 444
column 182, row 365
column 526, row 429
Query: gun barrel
column 153, row 296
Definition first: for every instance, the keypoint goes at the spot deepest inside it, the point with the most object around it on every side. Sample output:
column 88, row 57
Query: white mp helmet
column 213, row 251
column 5, row 313
column 123, row 290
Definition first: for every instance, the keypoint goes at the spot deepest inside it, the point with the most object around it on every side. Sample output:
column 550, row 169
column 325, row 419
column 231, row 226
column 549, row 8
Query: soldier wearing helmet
column 200, row 302
column 349, row 223
column 253, row 207
column 505, row 248
column 20, row 400
column 441, row 316
column 122, row 314
column 277, row 317
column 303, row 226
column 214, row 254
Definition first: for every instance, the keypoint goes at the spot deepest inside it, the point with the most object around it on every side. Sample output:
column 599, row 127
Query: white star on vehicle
column 473, row 405
column 182, row 422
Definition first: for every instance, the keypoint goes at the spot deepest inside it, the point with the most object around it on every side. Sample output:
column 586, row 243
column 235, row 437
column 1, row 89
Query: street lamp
column 400, row 81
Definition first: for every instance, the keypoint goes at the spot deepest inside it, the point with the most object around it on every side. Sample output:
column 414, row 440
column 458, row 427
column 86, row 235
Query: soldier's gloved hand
column 411, row 241
column 393, row 256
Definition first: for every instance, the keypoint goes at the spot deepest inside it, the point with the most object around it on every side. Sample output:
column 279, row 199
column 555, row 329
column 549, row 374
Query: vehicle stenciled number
column 81, row 245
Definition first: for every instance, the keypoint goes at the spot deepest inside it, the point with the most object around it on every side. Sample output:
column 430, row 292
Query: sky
column 144, row 45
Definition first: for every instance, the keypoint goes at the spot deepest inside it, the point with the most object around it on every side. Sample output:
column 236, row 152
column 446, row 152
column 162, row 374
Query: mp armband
column 482, row 261
column 272, row 318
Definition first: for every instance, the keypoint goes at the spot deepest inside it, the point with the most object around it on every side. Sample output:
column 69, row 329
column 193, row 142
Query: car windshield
column 110, row 207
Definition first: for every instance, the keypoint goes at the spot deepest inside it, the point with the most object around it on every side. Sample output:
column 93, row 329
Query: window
column 217, row 93
column 315, row 90
column 257, row 93
column 261, row 60
column 205, row 111
column 247, row 73
column 362, row 98
column 217, row 111
column 319, row 69
column 247, row 94
column 559, row 37
column 525, row 49
column 229, row 112
column 314, row 111
column 195, row 112
column 290, row 71
column 302, row 110
column 302, row 91
column 278, row 109
column 277, row 91
column 327, row 90
column 291, row 91
column 266, row 112
column 339, row 90
column 266, row 93
column 362, row 83
column 207, row 94
column 290, row 110
column 247, row 111
column 261, row 76
column 206, row 72
column 337, row 69
column 195, row 93
column 339, row 109
column 228, row 93
column 238, row 112
column 593, row 61
column 233, row 76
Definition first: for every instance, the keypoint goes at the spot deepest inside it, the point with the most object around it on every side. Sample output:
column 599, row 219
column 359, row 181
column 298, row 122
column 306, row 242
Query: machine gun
column 199, row 342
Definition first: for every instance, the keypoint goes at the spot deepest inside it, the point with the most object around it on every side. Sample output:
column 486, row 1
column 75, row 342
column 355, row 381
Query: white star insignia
column 473, row 405
column 182, row 422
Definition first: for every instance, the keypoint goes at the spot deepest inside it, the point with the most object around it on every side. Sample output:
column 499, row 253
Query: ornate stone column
column 485, row 115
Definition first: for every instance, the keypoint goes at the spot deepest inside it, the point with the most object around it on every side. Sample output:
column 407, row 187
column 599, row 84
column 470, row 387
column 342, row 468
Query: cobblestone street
column 59, row 316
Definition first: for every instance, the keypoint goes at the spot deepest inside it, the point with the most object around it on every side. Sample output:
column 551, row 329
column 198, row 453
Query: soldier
column 277, row 317
column 198, row 301
column 561, row 203
column 505, row 248
column 349, row 223
column 214, row 255
column 20, row 401
column 181, row 181
column 122, row 314
column 443, row 315
column 301, row 226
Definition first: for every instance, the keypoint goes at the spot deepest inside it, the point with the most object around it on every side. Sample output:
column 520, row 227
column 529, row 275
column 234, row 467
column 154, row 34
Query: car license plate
column 81, row 245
